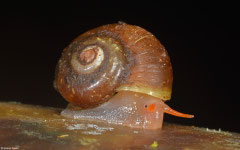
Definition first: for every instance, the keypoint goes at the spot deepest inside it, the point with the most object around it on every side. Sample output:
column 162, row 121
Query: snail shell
column 113, row 58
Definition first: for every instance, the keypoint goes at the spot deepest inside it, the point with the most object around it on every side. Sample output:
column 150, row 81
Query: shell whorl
column 88, row 60
column 91, row 69
column 112, row 58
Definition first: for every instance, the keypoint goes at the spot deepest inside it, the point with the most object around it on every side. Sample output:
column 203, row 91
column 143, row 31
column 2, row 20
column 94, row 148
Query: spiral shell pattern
column 111, row 58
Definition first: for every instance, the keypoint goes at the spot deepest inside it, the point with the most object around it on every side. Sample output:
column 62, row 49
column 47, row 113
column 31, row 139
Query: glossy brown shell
column 145, row 65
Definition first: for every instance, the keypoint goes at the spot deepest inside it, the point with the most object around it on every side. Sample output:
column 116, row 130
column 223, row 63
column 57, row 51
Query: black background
column 203, row 45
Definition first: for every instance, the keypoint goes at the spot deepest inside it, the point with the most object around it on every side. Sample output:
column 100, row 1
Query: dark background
column 203, row 45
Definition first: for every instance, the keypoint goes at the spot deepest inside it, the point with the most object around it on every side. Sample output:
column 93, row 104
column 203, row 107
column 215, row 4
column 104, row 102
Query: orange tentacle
column 169, row 110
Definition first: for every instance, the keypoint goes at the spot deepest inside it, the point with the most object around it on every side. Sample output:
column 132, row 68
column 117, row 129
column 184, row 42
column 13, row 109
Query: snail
column 117, row 73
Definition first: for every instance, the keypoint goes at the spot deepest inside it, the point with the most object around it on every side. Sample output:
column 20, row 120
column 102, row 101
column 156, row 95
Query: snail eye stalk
column 170, row 111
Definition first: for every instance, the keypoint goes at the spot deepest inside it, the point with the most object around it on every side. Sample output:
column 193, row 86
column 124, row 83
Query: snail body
column 117, row 73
